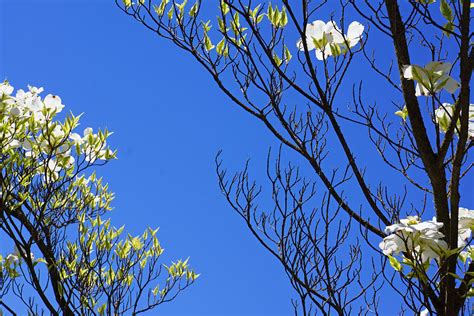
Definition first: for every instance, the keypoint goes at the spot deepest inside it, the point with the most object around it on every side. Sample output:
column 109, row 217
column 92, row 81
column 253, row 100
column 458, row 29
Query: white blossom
column 5, row 89
column 432, row 78
column 421, row 239
column 13, row 144
column 53, row 102
column 11, row 259
column 57, row 132
column 328, row 40
column 444, row 115
column 471, row 121
column 467, row 254
column 466, row 218
column 424, row 312
column 53, row 169
column 76, row 139
column 35, row 90
column 465, row 225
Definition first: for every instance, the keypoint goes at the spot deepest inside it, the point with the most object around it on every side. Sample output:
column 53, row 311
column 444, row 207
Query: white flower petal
column 53, row 102
column 354, row 33
column 408, row 72
column 451, row 85
column 88, row 131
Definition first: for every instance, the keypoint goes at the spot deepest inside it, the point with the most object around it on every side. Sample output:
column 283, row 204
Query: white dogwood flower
column 317, row 34
column 76, row 139
column 467, row 254
column 35, row 90
column 465, row 225
column 53, row 169
column 432, row 78
column 421, row 239
column 403, row 113
column 471, row 121
column 444, row 115
column 53, row 102
column 354, row 34
column 466, row 218
column 425, row 312
column 58, row 132
column 11, row 259
column 5, row 89
column 328, row 40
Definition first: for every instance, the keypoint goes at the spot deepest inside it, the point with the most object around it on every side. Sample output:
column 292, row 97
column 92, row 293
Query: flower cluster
column 444, row 114
column 423, row 241
column 43, row 161
column 432, row 78
column 465, row 225
column 28, row 126
column 328, row 40
column 11, row 263
column 39, row 152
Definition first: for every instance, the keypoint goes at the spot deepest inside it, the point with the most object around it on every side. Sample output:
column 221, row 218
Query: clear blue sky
column 169, row 121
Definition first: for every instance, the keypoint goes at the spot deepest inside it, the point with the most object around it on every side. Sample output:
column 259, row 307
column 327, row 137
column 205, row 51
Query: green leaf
column 170, row 13
column 127, row 3
column 277, row 59
column 288, row 55
column 471, row 290
column 101, row 309
column 221, row 24
column 224, row 8
column 270, row 12
column 446, row 10
column 207, row 26
column 276, row 17
column 220, row 47
column 193, row 10
column 395, row 264
column 454, row 275
column 42, row 260
column 156, row 290
column 237, row 19
column 160, row 10
column 136, row 243
column 255, row 11
column 283, row 18
column 449, row 29
column 207, row 43
column 335, row 50
column 403, row 113
column 236, row 23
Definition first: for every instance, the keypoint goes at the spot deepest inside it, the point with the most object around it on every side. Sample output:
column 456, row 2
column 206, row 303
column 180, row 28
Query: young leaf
column 127, row 3
column 224, row 8
column 288, row 55
column 277, row 59
column 394, row 263
column 283, row 18
column 446, row 10
column 193, row 10
column 207, row 43
column 220, row 46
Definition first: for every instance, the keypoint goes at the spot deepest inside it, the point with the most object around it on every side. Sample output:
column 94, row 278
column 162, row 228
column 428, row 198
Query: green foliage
column 47, row 191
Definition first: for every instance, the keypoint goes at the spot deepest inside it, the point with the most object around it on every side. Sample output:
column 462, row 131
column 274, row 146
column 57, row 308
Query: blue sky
column 169, row 121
